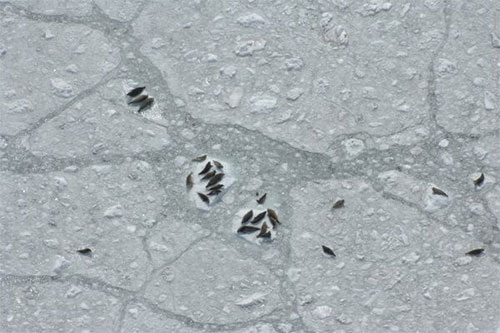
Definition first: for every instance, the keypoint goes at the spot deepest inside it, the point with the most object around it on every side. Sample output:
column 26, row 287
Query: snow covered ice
column 372, row 126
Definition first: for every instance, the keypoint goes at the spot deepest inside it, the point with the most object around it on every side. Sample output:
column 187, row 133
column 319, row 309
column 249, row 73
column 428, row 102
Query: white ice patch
column 294, row 94
column 434, row 202
column 445, row 67
column 250, row 300
column 114, row 211
column 337, row 35
column 263, row 104
column 374, row 7
column 199, row 186
column 249, row 47
column 62, row 88
column 235, row 98
column 322, row 312
column 257, row 209
column 60, row 264
column 152, row 113
column 489, row 101
column 20, row 106
column 251, row 19
column 128, row 85
column 353, row 146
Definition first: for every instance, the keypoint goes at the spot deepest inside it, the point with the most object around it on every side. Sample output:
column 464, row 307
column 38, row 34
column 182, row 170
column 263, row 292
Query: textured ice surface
column 390, row 106
column 355, row 89
column 57, row 69
column 392, row 264
column 138, row 318
column 108, row 208
column 84, row 131
column 256, row 209
column 35, row 306
column 249, row 292
column 467, row 73
column 56, row 7
column 121, row 10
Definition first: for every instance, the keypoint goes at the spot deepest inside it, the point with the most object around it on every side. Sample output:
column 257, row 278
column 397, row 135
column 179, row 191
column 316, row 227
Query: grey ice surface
column 371, row 101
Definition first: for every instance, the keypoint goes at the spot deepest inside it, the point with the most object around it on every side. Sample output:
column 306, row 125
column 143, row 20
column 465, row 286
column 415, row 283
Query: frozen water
column 392, row 107
column 200, row 185
column 49, row 87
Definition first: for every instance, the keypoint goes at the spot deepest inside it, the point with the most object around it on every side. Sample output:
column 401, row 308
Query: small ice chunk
column 60, row 182
column 134, row 312
column 322, row 312
column 263, row 104
column 374, row 7
column 489, row 101
column 71, row 168
column 143, row 166
column 72, row 68
column 62, row 88
column 180, row 161
column 209, row 57
column 446, row 67
column 294, row 274
column 73, row 291
column 114, row 211
column 157, row 43
column 80, row 49
column 353, row 146
column 285, row 327
column 168, row 274
column 306, row 299
column 433, row 202
column 229, row 71
column 404, row 9
column 274, row 88
column 48, row 34
column 495, row 40
column 466, row 294
column 444, row 143
column 462, row 261
column 61, row 264
column 403, row 107
column 254, row 299
column 344, row 319
column 22, row 105
column 294, row 94
column 293, row 64
column 250, row 20
column 247, row 48
column 158, row 247
column 480, row 152
column 337, row 35
column 326, row 19
column 235, row 98
column 51, row 243
column 369, row 93
column 195, row 91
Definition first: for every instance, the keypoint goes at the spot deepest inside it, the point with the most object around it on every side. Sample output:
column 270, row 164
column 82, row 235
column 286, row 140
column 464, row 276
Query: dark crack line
column 431, row 82
column 127, row 297
column 84, row 94
column 154, row 273
column 121, row 316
